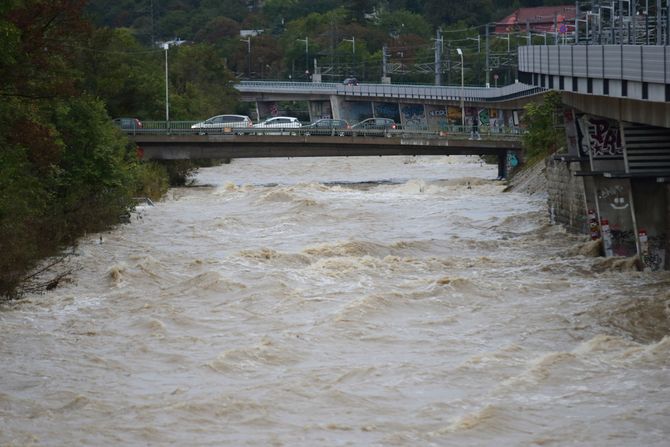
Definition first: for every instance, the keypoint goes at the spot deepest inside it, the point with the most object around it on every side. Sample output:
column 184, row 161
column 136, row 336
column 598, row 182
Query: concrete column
column 335, row 106
column 502, row 166
column 667, row 227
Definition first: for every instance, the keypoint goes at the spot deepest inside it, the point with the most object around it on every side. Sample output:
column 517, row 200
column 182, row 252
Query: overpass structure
column 421, row 107
column 615, row 171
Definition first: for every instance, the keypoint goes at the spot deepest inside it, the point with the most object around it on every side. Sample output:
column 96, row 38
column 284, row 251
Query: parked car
column 350, row 81
column 374, row 127
column 327, row 126
column 223, row 123
column 279, row 122
column 128, row 123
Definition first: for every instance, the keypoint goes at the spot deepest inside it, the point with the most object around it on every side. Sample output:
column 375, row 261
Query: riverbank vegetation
column 545, row 133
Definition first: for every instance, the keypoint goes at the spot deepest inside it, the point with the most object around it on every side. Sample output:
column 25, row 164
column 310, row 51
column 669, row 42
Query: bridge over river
column 156, row 142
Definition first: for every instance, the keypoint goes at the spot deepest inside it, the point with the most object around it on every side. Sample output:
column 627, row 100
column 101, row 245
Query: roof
column 540, row 18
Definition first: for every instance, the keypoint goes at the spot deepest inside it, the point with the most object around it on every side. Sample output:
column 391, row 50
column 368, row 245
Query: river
column 340, row 301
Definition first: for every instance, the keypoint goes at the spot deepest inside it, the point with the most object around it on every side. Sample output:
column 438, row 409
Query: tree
column 126, row 75
column 401, row 22
column 544, row 135
column 201, row 85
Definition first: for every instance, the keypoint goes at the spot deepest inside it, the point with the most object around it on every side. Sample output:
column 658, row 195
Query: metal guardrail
column 452, row 132
column 393, row 91
column 649, row 64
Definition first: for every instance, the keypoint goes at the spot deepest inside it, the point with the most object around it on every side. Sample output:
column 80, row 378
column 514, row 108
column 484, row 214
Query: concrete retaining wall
column 565, row 193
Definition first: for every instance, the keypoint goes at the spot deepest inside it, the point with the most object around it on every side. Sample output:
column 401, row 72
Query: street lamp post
column 460, row 53
column 353, row 51
column 167, row 104
column 306, row 40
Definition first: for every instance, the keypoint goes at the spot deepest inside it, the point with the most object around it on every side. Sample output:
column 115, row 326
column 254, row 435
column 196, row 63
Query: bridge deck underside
column 221, row 147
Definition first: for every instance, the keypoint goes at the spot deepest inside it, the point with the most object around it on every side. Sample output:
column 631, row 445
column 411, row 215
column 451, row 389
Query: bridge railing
column 450, row 132
column 429, row 92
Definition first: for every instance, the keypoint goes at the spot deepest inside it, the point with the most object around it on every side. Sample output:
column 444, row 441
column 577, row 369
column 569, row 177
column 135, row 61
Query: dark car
column 350, row 81
column 327, row 126
column 374, row 126
column 128, row 123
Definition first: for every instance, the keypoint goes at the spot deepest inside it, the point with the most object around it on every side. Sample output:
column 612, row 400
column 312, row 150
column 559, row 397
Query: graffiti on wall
column 601, row 137
column 655, row 258
column 613, row 199
column 623, row 242
column 512, row 160
column 454, row 114
column 387, row 110
column 354, row 111
column 436, row 118
column 484, row 117
column 413, row 116
column 614, row 195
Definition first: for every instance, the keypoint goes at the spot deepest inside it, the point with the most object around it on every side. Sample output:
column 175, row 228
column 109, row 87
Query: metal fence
column 452, row 131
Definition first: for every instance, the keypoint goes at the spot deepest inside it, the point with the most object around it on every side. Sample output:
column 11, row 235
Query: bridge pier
column 502, row 165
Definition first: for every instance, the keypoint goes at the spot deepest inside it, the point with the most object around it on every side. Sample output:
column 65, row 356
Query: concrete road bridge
column 156, row 141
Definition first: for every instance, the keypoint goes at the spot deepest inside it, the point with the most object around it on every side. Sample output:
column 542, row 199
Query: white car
column 279, row 122
column 223, row 123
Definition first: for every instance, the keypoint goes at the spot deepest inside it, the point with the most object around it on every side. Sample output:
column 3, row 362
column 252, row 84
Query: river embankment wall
column 575, row 199
column 564, row 192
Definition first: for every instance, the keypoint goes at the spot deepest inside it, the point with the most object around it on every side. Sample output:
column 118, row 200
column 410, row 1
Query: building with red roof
column 539, row 19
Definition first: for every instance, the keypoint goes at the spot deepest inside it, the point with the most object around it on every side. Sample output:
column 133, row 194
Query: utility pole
column 353, row 51
column 460, row 53
column 385, row 77
column 448, row 63
column 153, row 35
column 167, row 103
column 488, row 69
column 479, row 42
column 577, row 21
column 438, row 57
column 634, row 20
column 248, row 41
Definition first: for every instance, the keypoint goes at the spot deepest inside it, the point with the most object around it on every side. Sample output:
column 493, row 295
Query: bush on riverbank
column 545, row 132
column 65, row 170
column 544, row 136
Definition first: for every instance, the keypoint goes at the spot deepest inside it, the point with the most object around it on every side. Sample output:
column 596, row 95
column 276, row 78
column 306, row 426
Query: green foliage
column 151, row 180
column 200, row 83
column 544, row 135
column 127, row 76
column 404, row 22
column 65, row 169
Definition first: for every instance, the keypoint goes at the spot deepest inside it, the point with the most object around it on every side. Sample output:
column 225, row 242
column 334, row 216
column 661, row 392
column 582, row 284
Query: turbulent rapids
column 351, row 301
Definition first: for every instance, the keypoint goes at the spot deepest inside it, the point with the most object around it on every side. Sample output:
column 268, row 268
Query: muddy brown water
column 354, row 301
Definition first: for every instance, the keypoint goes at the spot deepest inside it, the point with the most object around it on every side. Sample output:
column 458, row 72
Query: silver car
column 278, row 122
column 284, row 122
column 223, row 123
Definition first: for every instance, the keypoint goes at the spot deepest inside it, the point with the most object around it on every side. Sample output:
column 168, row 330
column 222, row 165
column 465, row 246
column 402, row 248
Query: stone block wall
column 565, row 195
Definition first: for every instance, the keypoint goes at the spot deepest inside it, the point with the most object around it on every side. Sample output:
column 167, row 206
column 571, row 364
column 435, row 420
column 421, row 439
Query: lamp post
column 167, row 104
column 353, row 51
column 306, row 40
column 460, row 53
